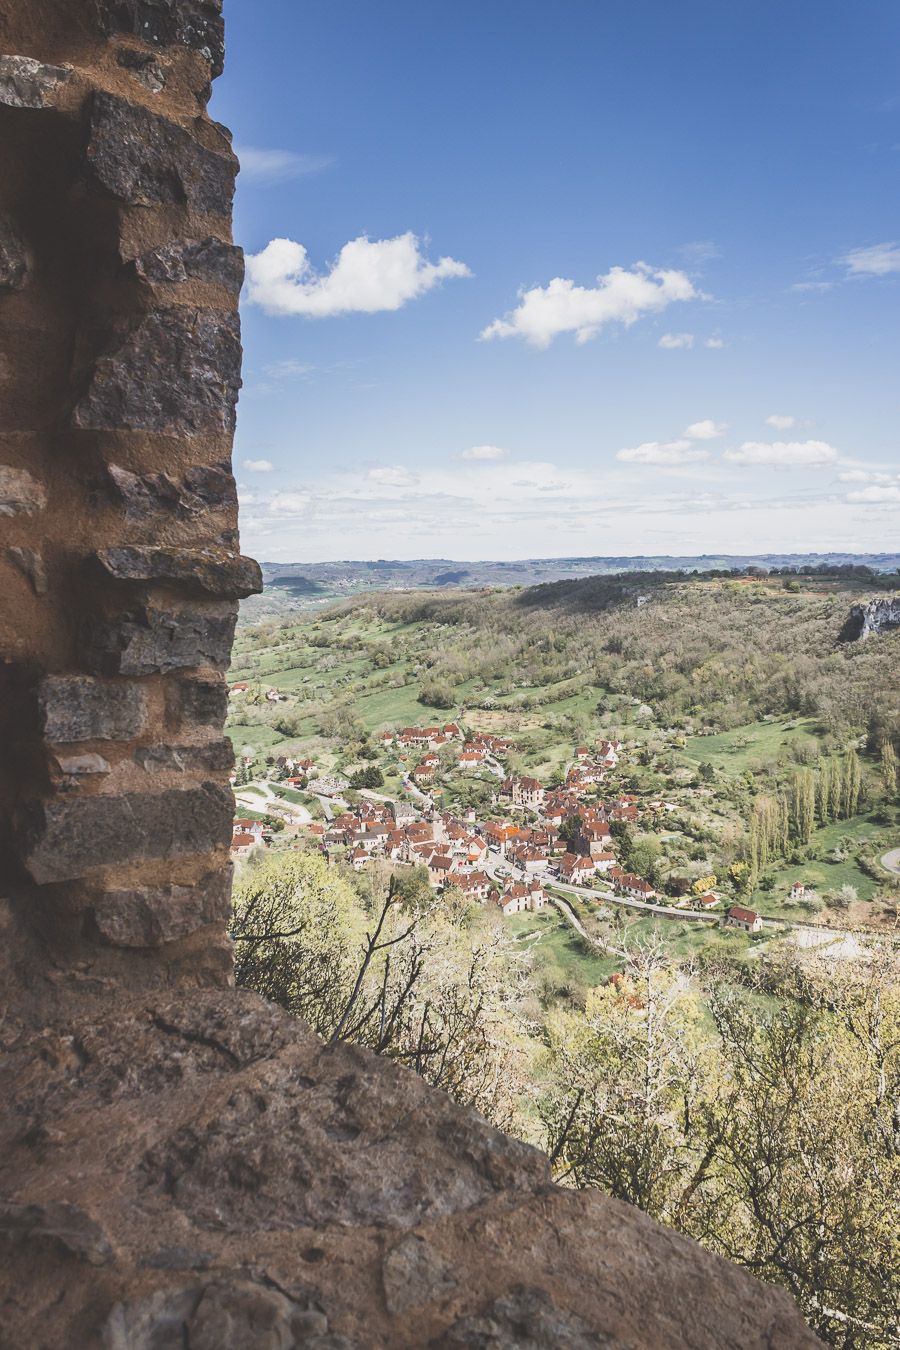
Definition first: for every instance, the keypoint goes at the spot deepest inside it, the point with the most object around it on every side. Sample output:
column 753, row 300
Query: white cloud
column 715, row 344
column 875, row 495
column 867, row 476
column 276, row 166
column 259, row 465
column 289, row 503
column 878, row 260
column 620, row 296
column 707, row 430
column 484, row 452
column 662, row 453
column 781, row 421
column 676, row 341
column 392, row 475
column 368, row 276
column 784, row 454
column 812, row 286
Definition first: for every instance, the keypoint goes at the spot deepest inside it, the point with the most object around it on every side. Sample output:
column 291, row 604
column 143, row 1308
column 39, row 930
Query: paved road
column 571, row 917
column 891, row 861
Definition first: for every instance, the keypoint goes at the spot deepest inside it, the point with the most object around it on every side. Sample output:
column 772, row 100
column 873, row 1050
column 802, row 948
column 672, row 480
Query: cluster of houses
column 560, row 834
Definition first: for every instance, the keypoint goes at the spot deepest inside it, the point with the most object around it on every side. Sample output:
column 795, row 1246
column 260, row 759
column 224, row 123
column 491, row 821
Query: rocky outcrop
column 180, row 1164
column 878, row 616
column 204, row 1169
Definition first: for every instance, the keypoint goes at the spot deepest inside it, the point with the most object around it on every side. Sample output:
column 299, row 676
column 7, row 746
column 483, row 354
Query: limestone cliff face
column 180, row 1165
column 878, row 616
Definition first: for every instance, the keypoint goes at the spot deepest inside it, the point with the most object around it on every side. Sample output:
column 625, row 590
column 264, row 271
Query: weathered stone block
column 81, row 766
column 63, row 840
column 149, row 641
column 196, row 24
column 197, row 702
column 15, row 263
column 26, row 83
column 148, row 160
column 154, row 915
column 207, row 260
column 177, row 372
column 20, row 493
column 208, row 757
column 204, row 487
column 78, row 708
column 210, row 571
column 31, row 565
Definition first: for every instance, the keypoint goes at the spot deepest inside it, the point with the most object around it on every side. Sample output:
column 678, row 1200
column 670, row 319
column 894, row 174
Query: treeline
column 704, row 654
column 810, row 797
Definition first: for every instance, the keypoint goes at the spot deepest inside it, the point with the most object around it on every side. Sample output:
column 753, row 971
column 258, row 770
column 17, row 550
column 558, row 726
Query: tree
column 437, row 693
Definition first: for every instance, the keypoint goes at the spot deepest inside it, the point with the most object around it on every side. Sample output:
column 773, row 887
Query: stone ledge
column 226, row 1158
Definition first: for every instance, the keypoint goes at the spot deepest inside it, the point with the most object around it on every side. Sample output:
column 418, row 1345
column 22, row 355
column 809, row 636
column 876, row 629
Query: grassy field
column 734, row 752
column 557, row 946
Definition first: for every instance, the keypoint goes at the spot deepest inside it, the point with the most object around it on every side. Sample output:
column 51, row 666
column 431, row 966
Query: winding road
column 891, row 861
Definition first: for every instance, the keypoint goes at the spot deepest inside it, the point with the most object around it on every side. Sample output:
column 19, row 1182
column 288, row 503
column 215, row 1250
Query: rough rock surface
column 145, row 160
column 79, row 708
column 176, row 371
column 157, row 914
column 67, row 839
column 152, row 640
column 207, row 260
column 15, row 263
column 20, row 492
column 26, row 83
column 196, row 24
column 878, row 616
column 254, row 1188
column 210, row 571
column 149, row 495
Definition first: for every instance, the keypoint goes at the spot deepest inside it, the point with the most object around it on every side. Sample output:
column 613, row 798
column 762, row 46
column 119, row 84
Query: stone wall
column 119, row 566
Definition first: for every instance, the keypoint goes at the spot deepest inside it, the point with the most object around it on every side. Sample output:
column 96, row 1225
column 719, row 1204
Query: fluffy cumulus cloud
column 293, row 503
column 876, row 495
column 368, row 276
column 484, row 452
column 664, row 453
column 620, row 296
column 673, row 342
column 781, row 421
column 392, row 475
column 878, row 260
column 783, row 454
column 707, row 430
column 276, row 166
column 258, row 465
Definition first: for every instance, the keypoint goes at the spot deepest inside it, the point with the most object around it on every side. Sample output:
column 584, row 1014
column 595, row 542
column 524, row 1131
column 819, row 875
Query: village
column 534, row 840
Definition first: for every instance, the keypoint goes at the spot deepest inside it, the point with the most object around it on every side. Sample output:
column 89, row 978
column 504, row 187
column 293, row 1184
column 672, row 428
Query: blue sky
column 594, row 250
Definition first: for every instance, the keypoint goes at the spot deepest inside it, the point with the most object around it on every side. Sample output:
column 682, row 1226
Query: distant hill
column 296, row 585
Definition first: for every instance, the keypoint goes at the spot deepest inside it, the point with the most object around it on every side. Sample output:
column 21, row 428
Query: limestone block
column 231, row 1312
column 20, row 492
column 81, row 766
column 196, row 24
column 79, row 708
column 203, row 487
column 63, row 840
column 201, row 703
column 15, row 263
column 178, row 371
column 149, row 641
column 211, row 571
column 26, row 83
column 209, row 756
column 30, row 564
column 207, row 260
column 154, row 915
column 147, row 160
